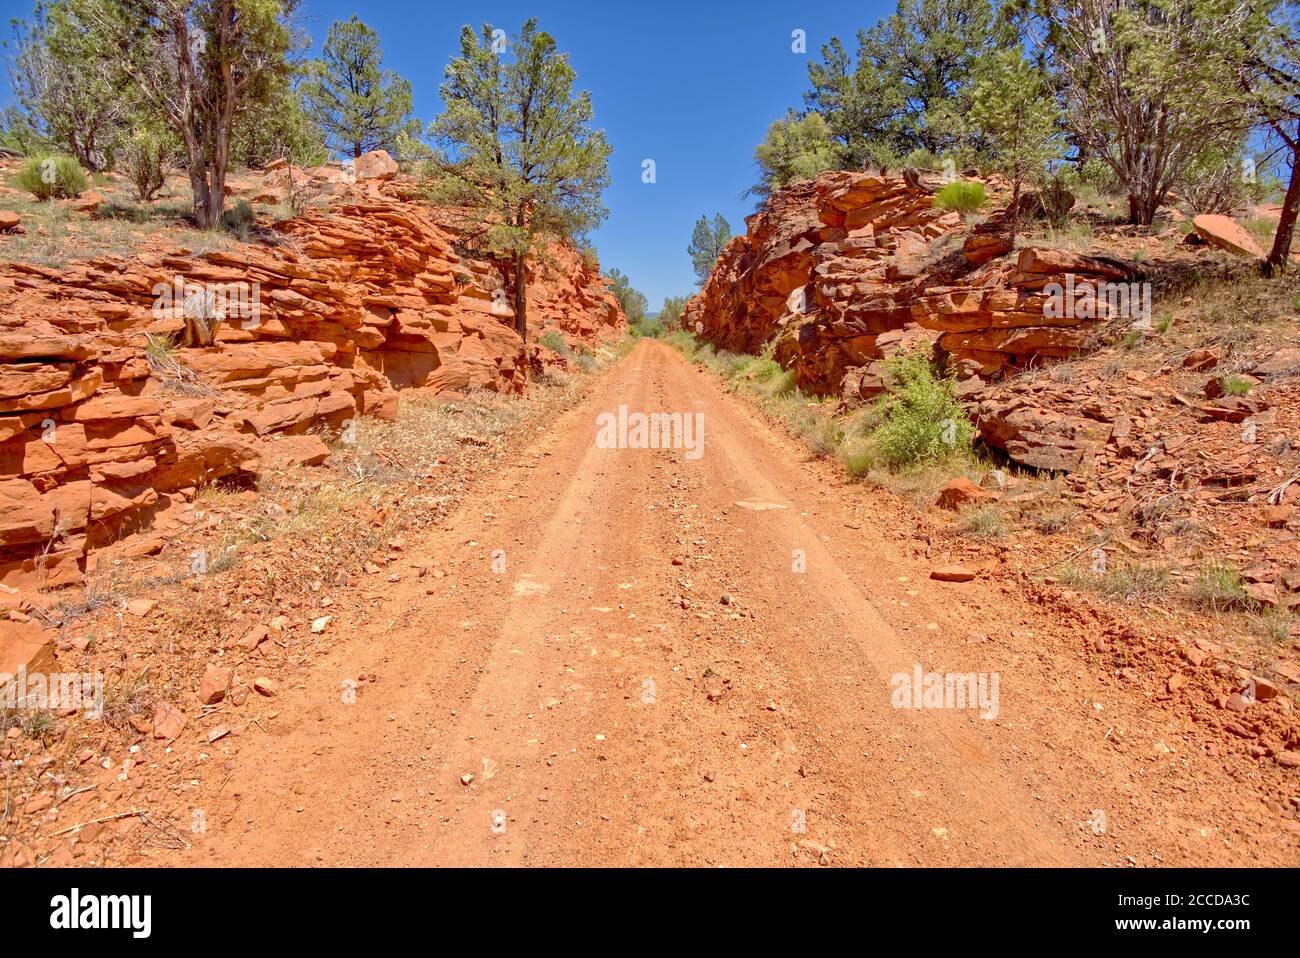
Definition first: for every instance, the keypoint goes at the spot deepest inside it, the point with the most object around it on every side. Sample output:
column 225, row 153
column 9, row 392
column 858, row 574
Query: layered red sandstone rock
column 352, row 305
column 847, row 269
column 840, row 269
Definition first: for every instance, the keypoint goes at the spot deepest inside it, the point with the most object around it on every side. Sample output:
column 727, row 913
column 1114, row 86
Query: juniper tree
column 796, row 148
column 68, row 91
column 1150, row 85
column 1015, row 115
column 202, row 65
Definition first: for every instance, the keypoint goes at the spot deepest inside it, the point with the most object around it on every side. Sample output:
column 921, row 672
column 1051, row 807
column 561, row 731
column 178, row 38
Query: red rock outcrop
column 847, row 269
column 100, row 425
column 843, row 270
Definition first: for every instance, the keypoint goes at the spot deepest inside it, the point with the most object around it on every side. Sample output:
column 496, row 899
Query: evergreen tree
column 1016, row 116
column 201, row 65
column 355, row 102
column 1150, row 85
column 909, row 87
column 522, row 159
column 796, row 148
column 632, row 300
column 707, row 240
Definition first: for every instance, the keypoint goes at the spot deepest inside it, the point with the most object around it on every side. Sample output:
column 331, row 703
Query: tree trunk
column 521, row 296
column 220, row 164
column 1280, row 257
column 1015, row 210
column 1142, row 209
column 201, row 190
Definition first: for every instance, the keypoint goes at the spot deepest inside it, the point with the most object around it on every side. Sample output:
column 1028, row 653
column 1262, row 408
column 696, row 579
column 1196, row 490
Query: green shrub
column 554, row 341
column 857, row 457
column 117, row 210
column 239, row 219
column 781, row 383
column 50, row 177
column 1219, row 588
column 824, row 436
column 964, row 196
column 159, row 346
column 765, row 369
column 922, row 420
column 1234, row 385
column 146, row 154
column 682, row 341
column 923, row 159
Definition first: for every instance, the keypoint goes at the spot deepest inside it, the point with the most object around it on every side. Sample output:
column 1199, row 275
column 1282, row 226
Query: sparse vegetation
column 922, row 421
column 239, row 220
column 1234, row 385
column 1124, row 581
column 1219, row 588
column 985, row 522
column 1273, row 625
column 964, row 196
column 52, row 177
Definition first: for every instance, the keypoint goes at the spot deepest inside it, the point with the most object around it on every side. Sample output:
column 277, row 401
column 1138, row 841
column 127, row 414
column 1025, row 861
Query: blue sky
column 691, row 84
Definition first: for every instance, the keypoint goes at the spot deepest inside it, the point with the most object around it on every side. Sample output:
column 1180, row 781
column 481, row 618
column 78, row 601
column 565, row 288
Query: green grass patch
column 1219, row 588
column 964, row 196
column 1235, row 385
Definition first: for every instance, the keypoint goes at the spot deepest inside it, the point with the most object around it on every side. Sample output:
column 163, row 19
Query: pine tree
column 357, row 104
column 707, row 241
column 908, row 88
column 796, row 148
column 1016, row 116
column 631, row 299
column 522, row 158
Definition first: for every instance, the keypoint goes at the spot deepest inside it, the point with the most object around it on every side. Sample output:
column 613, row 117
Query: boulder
column 959, row 493
column 1227, row 234
column 375, row 165
column 88, row 202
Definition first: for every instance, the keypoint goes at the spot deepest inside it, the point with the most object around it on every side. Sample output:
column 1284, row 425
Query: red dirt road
column 607, row 722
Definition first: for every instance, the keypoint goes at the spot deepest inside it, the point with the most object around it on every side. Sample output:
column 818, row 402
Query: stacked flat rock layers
column 353, row 304
column 845, row 270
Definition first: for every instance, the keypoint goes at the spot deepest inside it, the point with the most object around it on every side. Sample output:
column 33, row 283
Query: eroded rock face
column 837, row 269
column 843, row 271
column 354, row 304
